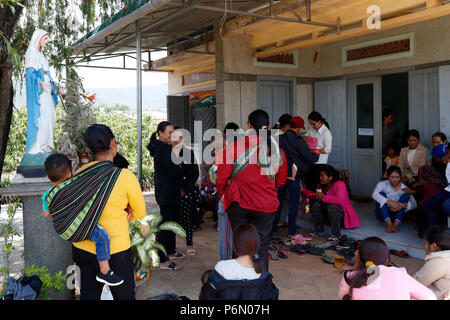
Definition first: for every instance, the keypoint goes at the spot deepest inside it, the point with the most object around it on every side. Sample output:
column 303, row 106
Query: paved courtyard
column 299, row 277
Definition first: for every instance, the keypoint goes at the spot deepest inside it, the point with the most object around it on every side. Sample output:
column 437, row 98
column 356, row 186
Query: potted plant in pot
column 143, row 241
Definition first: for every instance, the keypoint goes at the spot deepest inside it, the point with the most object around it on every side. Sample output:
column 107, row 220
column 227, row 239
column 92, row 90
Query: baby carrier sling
column 77, row 204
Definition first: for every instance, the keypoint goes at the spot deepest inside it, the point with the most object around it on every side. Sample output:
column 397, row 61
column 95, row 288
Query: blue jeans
column 293, row 188
column 384, row 213
column 435, row 203
column 225, row 235
column 101, row 239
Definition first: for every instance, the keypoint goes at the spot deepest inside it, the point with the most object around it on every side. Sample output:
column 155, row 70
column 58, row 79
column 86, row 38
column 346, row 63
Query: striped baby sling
column 77, row 204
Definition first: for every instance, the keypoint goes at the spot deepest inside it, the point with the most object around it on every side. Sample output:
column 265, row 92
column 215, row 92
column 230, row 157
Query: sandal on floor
column 190, row 252
column 327, row 259
column 401, row 253
column 273, row 256
column 282, row 254
column 171, row 266
column 179, row 255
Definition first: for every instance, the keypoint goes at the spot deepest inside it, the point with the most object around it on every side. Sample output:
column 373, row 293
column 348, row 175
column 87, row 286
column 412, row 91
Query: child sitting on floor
column 371, row 279
column 59, row 169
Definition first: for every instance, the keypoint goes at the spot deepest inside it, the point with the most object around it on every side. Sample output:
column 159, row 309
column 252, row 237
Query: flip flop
column 282, row 254
column 191, row 252
column 273, row 256
column 401, row 253
column 327, row 259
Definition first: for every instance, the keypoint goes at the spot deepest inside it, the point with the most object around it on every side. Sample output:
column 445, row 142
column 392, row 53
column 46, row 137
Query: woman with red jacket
column 250, row 187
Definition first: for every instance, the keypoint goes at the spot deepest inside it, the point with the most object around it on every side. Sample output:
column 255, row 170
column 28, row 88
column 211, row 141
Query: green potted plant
column 143, row 241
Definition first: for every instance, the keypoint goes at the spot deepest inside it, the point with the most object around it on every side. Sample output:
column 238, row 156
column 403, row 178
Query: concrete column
column 42, row 246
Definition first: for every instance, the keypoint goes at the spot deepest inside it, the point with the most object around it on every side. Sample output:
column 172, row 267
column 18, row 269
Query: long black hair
column 371, row 249
column 246, row 241
column 439, row 235
column 161, row 128
column 259, row 119
column 98, row 138
column 330, row 172
column 316, row 116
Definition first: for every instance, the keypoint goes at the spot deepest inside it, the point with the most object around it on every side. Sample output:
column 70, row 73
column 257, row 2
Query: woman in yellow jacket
column 114, row 219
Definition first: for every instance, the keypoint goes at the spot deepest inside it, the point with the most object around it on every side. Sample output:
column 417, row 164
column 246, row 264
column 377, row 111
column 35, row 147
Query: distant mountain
column 153, row 97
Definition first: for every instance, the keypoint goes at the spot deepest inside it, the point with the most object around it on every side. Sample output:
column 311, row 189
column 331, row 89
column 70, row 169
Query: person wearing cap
column 298, row 153
column 442, row 199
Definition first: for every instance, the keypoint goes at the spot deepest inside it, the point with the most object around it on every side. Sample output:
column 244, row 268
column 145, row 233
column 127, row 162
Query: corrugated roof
column 162, row 22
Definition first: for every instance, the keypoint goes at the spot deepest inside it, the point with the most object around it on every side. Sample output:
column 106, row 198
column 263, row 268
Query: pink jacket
column 391, row 284
column 338, row 194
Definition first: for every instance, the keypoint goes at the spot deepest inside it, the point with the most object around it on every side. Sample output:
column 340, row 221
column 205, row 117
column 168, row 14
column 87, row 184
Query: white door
column 275, row 97
column 365, row 135
column 330, row 101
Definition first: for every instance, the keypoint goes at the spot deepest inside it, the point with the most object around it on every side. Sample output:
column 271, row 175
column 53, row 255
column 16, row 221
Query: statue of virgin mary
column 42, row 96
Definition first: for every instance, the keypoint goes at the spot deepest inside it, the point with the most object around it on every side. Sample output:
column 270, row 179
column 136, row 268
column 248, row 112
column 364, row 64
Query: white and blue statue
column 42, row 97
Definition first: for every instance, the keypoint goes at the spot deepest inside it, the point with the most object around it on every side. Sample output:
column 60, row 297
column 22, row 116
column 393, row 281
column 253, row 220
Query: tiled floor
column 406, row 239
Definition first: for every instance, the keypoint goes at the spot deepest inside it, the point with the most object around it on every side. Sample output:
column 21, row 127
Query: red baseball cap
column 298, row 122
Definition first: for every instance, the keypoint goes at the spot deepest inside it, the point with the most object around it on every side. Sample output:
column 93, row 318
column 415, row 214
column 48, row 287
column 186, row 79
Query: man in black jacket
column 298, row 153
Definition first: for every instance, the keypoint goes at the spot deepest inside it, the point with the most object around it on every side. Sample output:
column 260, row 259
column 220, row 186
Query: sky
column 104, row 78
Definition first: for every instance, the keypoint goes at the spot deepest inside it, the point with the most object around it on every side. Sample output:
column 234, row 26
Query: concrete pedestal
column 42, row 246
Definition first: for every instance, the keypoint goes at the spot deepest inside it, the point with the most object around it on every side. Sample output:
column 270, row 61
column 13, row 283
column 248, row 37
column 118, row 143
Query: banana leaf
column 149, row 241
column 174, row 227
column 159, row 246
column 154, row 258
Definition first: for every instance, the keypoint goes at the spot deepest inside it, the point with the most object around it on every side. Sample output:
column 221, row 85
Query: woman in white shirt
column 320, row 130
column 248, row 265
column 392, row 200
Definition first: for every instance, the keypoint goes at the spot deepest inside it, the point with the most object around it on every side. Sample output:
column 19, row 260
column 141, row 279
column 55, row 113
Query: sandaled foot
column 191, row 252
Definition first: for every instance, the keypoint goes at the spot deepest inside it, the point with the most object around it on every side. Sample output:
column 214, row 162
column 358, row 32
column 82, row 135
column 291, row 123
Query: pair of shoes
column 178, row 255
column 171, row 266
column 110, row 278
column 316, row 234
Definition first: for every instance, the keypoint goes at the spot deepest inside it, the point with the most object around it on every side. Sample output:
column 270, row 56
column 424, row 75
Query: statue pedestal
column 32, row 165
column 42, row 246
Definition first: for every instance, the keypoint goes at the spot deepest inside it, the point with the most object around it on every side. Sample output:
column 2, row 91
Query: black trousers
column 262, row 221
column 167, row 238
column 121, row 263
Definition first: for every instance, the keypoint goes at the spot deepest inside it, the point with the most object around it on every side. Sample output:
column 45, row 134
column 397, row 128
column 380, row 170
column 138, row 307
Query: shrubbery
column 123, row 124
